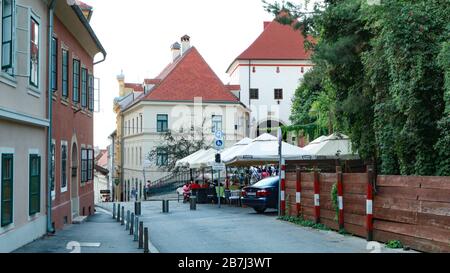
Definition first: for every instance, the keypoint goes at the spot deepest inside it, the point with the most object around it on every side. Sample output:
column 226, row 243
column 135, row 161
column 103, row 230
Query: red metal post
column 316, row 195
column 340, row 188
column 369, row 206
column 298, row 194
column 283, row 187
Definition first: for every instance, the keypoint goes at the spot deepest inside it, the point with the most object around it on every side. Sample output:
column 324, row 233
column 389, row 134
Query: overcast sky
column 137, row 35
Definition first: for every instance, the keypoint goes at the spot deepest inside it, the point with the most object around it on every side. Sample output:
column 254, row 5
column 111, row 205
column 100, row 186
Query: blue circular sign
column 219, row 143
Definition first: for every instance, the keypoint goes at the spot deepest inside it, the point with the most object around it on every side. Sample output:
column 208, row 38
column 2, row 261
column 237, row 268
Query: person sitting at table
column 195, row 185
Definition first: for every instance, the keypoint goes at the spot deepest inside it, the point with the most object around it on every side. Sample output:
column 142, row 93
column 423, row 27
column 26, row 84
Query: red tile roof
column 277, row 42
column 137, row 87
column 152, row 81
column 231, row 87
column 188, row 77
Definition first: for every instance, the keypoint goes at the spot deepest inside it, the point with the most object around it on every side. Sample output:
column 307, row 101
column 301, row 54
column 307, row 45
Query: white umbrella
column 264, row 149
column 202, row 159
column 331, row 146
column 229, row 153
column 185, row 161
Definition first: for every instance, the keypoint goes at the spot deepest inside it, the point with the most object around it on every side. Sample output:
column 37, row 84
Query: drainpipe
column 50, row 228
column 122, row 161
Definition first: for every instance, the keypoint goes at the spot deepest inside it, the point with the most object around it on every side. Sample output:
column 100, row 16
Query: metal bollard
column 136, row 231
column 141, row 235
column 123, row 216
column 137, row 208
column 132, row 224
column 118, row 212
column 193, row 202
column 114, row 210
column 146, row 250
column 127, row 227
column 165, row 206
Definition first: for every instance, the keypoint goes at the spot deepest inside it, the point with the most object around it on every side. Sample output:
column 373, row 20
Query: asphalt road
column 237, row 230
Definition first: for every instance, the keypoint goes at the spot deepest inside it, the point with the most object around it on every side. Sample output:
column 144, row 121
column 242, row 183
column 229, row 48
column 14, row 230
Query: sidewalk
column 99, row 234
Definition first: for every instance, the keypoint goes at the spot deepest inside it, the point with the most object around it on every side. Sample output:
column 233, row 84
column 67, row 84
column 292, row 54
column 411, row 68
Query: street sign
column 219, row 135
column 218, row 167
column 218, row 142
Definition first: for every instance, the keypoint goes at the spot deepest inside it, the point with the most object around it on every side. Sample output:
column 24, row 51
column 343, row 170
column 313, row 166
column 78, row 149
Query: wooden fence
column 413, row 210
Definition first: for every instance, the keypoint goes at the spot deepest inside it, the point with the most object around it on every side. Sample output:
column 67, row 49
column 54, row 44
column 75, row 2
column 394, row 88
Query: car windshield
column 270, row 181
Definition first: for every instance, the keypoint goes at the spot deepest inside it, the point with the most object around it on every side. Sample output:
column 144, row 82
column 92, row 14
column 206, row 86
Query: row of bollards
column 133, row 225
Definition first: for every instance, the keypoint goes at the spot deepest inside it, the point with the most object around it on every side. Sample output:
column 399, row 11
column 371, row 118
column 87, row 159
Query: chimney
column 176, row 50
column 121, row 80
column 185, row 43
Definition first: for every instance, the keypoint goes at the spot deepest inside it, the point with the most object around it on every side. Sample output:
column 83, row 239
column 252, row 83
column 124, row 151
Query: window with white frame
column 64, row 156
column 34, row 52
column 90, row 172
column 216, row 123
column 54, row 64
column 52, row 174
column 84, row 165
column 8, row 19
column 7, row 196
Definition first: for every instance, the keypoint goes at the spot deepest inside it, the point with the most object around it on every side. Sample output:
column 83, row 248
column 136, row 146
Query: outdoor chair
column 180, row 193
column 235, row 196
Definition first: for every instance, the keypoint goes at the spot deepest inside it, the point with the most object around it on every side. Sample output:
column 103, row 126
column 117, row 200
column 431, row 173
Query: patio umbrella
column 264, row 150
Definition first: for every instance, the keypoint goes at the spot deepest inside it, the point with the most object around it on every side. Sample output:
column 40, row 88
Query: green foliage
column 394, row 244
column 382, row 76
column 335, row 200
column 301, row 221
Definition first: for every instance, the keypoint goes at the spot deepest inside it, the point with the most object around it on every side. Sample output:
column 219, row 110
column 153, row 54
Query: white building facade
column 268, row 73
column 186, row 97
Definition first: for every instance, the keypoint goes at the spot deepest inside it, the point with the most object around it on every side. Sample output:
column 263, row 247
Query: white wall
column 266, row 79
column 180, row 116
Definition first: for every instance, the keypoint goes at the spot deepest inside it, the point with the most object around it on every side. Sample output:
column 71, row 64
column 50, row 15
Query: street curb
column 151, row 247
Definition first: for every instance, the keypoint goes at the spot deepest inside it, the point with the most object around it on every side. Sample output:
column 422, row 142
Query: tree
column 382, row 71
column 178, row 145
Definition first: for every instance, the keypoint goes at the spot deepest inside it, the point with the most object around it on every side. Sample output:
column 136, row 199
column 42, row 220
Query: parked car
column 263, row 195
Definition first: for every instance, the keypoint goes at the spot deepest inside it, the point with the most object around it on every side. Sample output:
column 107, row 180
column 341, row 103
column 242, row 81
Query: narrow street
column 99, row 234
column 236, row 230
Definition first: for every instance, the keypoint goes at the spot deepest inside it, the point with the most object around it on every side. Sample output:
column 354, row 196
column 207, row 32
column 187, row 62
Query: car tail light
column 244, row 193
column 262, row 193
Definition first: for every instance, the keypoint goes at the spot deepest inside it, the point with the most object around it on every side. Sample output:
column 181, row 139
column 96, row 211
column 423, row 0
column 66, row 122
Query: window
column 7, row 189
column 132, row 125
column 90, row 172
column 87, row 165
column 64, row 166
column 91, row 93
column 278, row 94
column 84, row 165
column 7, row 35
column 76, row 81
column 52, row 175
column 54, row 66
column 140, row 156
column 35, row 184
column 34, row 53
column 216, row 123
column 65, row 73
column 162, row 157
column 141, row 124
column 84, row 87
column 162, row 122
column 254, row 94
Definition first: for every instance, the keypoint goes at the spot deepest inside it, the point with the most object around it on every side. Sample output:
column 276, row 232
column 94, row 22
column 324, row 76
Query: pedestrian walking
column 147, row 190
